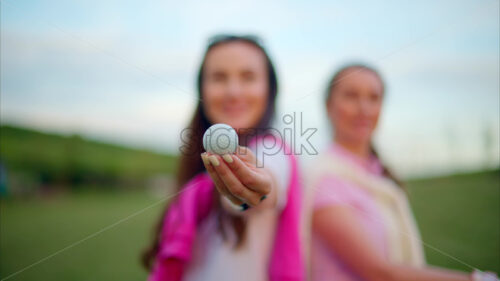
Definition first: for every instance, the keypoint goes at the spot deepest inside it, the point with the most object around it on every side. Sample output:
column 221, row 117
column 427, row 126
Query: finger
column 234, row 185
column 211, row 172
column 217, row 181
column 248, row 177
column 247, row 155
column 219, row 184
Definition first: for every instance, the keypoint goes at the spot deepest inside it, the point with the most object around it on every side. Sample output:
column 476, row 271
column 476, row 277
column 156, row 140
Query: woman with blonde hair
column 362, row 225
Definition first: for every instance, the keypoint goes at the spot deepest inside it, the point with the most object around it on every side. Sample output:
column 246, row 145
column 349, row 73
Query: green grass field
column 458, row 215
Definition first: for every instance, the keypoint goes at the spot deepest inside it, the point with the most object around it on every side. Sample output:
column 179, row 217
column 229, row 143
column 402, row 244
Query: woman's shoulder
column 334, row 190
column 328, row 183
column 270, row 142
column 322, row 164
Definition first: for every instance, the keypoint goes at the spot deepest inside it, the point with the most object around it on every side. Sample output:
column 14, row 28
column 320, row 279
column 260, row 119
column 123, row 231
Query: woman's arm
column 342, row 231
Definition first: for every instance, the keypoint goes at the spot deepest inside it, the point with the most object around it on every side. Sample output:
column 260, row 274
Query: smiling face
column 354, row 105
column 235, row 86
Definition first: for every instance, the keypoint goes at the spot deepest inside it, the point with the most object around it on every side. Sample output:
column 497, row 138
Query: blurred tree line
column 33, row 160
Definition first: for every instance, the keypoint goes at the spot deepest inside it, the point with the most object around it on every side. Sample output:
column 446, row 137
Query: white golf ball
column 220, row 139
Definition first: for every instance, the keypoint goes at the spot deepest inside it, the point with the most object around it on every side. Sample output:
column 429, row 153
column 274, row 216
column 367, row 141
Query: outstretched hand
column 237, row 177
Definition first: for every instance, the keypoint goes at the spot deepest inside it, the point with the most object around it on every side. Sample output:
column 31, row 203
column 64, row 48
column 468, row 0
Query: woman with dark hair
column 362, row 225
column 233, row 219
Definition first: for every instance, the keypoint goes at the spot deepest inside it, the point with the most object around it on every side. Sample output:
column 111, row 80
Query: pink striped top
column 332, row 190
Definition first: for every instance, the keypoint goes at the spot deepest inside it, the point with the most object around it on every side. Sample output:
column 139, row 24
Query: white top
column 216, row 259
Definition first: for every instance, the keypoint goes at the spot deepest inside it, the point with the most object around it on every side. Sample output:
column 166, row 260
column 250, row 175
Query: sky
column 124, row 71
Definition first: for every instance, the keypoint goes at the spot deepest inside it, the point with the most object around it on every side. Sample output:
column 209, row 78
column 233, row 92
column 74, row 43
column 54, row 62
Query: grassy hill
column 34, row 158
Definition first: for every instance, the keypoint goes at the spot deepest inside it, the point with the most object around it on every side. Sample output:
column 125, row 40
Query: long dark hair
column 190, row 163
column 335, row 80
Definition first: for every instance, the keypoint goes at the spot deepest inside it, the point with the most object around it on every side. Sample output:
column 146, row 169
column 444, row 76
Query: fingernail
column 204, row 158
column 213, row 160
column 263, row 197
column 244, row 207
column 227, row 158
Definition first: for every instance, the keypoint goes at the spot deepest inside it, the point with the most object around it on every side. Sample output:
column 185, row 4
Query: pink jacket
column 195, row 202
